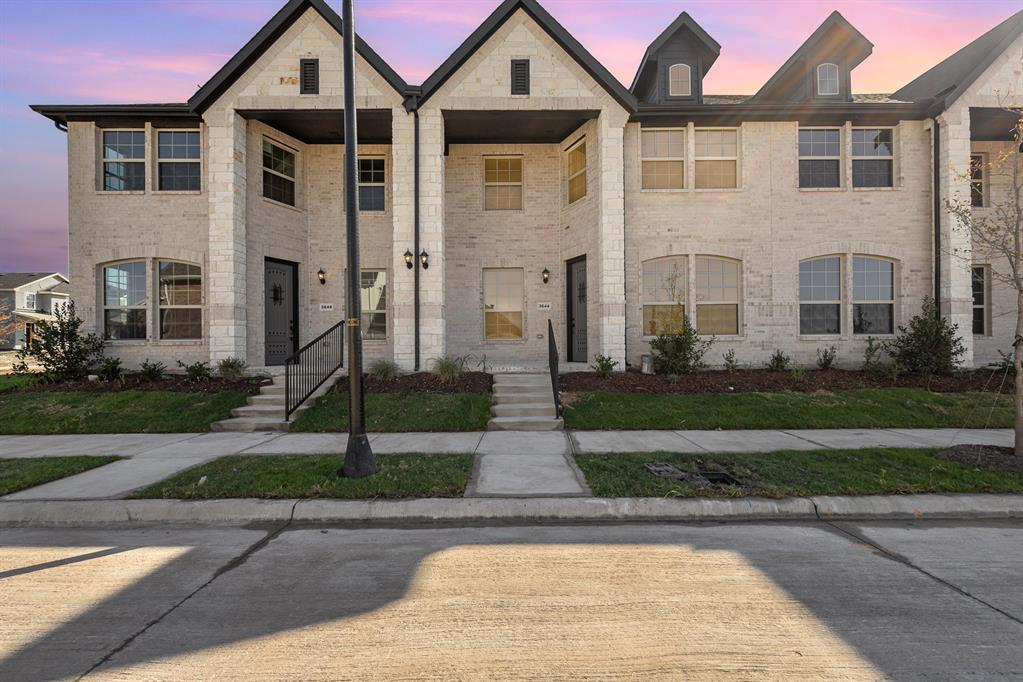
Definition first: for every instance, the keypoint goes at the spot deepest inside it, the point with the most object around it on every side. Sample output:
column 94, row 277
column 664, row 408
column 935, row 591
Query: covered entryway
column 575, row 309
column 281, row 310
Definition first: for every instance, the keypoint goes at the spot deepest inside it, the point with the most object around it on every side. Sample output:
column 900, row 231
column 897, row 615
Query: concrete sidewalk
column 509, row 463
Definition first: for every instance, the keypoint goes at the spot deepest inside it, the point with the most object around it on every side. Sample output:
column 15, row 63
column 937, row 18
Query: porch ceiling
column 992, row 125
column 521, row 127
column 325, row 126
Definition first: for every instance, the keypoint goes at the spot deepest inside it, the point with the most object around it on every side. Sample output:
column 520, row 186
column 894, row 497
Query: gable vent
column 309, row 76
column 520, row 76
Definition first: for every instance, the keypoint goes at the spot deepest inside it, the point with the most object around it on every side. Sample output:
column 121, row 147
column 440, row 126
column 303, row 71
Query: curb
column 84, row 513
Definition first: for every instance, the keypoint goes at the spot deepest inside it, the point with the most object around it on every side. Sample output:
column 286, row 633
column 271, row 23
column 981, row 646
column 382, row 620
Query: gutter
column 416, row 249
column 936, row 154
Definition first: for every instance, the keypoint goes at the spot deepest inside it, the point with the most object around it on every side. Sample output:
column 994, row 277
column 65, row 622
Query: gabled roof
column 16, row 280
column 860, row 48
column 265, row 38
column 945, row 82
column 683, row 21
column 555, row 30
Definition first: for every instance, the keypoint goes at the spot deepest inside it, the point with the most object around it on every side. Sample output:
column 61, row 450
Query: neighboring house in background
column 30, row 297
column 522, row 182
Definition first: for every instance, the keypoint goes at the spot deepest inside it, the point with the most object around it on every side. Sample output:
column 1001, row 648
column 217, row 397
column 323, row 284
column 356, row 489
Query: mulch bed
column 983, row 457
column 425, row 382
column 766, row 381
column 136, row 382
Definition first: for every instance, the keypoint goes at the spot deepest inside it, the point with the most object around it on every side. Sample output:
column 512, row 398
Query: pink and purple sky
column 107, row 51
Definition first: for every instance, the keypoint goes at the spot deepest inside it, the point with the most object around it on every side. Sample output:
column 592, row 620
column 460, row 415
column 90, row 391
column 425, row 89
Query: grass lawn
column 9, row 381
column 859, row 408
column 18, row 474
column 300, row 476
column 114, row 412
column 401, row 412
column 872, row 471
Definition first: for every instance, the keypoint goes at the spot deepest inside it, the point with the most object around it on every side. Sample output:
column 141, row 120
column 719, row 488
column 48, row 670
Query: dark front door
column 576, row 282
column 281, row 306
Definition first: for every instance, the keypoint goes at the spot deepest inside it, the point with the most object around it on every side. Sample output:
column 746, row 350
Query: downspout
column 416, row 249
column 937, row 217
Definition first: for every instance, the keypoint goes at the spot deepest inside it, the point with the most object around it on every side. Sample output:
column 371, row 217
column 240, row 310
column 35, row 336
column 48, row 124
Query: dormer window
column 680, row 83
column 827, row 79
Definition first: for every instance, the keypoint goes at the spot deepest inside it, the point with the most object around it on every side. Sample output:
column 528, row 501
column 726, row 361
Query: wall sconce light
column 546, row 274
column 424, row 258
column 410, row 260
column 322, row 275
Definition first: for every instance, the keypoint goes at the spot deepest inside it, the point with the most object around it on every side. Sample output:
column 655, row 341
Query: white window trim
column 158, row 333
column 838, row 80
column 841, row 166
column 853, row 301
column 840, row 302
column 982, row 183
column 104, row 160
column 521, row 183
column 104, row 307
column 262, row 190
column 689, row 80
column 853, row 158
column 573, row 176
column 738, row 152
column 680, row 159
column 361, row 184
column 160, row 160
column 685, row 290
column 987, row 298
column 737, row 303
column 521, row 309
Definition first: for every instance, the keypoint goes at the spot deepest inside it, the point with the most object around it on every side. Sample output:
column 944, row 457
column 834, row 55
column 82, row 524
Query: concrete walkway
column 508, row 463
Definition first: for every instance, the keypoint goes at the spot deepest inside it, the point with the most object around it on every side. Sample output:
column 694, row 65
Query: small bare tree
column 996, row 235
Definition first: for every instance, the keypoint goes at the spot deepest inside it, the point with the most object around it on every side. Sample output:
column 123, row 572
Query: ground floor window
column 664, row 294
column 373, row 293
column 180, row 291
column 981, row 286
column 873, row 295
column 502, row 303
column 124, row 301
column 717, row 295
column 820, row 295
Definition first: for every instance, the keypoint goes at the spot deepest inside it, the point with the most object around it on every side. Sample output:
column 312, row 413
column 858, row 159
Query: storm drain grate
column 711, row 477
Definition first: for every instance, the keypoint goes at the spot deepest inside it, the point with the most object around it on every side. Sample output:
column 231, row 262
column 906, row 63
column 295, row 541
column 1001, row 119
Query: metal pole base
column 358, row 458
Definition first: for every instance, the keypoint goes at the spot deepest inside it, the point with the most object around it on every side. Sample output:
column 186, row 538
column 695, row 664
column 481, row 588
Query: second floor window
column 371, row 184
column 502, row 183
column 662, row 154
column 178, row 160
column 717, row 158
column 124, row 160
column 576, row 162
column 827, row 79
column 820, row 156
column 30, row 301
column 873, row 157
column 278, row 173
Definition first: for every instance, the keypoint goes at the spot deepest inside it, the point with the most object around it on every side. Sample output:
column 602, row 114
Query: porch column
column 403, row 207
column 226, row 290
column 611, row 230
column 431, row 236
column 953, row 158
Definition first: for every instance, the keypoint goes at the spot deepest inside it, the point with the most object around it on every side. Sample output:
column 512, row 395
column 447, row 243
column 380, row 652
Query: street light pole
column 358, row 457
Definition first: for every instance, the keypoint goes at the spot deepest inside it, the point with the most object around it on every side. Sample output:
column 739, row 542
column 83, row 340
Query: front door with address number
column 281, row 310
column 576, row 285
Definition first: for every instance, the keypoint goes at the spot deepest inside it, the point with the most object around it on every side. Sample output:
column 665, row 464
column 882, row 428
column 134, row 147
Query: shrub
column 679, row 350
column 449, row 367
column 197, row 371
column 110, row 369
column 730, row 362
column 799, row 373
column 826, row 357
column 152, row 371
column 1006, row 362
column 873, row 358
column 929, row 345
column 779, row 362
column 384, row 370
column 231, row 369
column 603, row 365
column 64, row 352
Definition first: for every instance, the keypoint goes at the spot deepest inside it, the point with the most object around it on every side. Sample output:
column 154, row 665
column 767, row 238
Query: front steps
column 523, row 402
column 265, row 412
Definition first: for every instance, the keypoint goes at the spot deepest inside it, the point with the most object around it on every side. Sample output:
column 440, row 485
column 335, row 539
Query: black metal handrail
column 306, row 369
column 552, row 362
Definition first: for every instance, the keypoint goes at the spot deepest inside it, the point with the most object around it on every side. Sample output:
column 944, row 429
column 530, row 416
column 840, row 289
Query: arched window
column 180, row 300
column 717, row 295
column 124, row 300
column 680, row 82
column 820, row 295
column 664, row 294
column 873, row 295
column 827, row 79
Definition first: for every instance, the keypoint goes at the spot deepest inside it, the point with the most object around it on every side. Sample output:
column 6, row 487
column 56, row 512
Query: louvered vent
column 520, row 76
column 309, row 76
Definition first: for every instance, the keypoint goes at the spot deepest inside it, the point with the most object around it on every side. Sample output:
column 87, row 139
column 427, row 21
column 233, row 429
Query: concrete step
column 508, row 389
column 525, row 424
column 249, row 424
column 274, row 399
column 522, row 380
column 272, row 389
column 524, row 410
column 520, row 398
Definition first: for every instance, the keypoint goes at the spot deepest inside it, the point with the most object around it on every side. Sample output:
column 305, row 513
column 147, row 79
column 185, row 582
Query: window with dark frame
column 980, row 299
column 977, row 167
column 873, row 157
column 873, row 295
column 178, row 166
column 124, row 301
column 820, row 296
column 309, row 76
column 820, row 157
column 520, row 76
column 278, row 173
column 371, row 184
column 124, row 160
